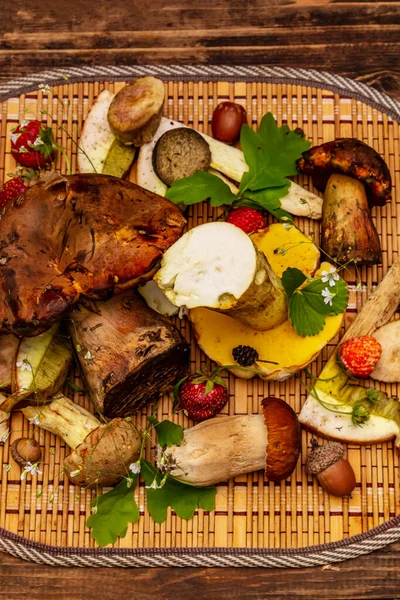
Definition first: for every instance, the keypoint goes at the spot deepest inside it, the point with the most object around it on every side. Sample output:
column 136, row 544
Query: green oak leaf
column 183, row 498
column 113, row 512
column 282, row 145
column 168, row 433
column 292, row 279
column 199, row 187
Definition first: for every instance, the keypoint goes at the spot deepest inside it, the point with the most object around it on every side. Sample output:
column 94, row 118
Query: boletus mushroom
column 217, row 265
column 91, row 235
column 221, row 448
column 128, row 353
column 355, row 178
column 101, row 452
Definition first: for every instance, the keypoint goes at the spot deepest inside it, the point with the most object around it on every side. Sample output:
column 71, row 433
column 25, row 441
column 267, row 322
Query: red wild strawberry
column 360, row 355
column 247, row 219
column 11, row 189
column 32, row 144
column 201, row 396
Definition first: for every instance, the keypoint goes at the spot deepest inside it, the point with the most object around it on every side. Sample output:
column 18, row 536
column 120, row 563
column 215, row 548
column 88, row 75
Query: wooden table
column 357, row 39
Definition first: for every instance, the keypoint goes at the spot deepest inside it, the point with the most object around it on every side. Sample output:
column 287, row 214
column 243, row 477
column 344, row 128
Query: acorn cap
column 25, row 450
column 323, row 457
column 283, row 439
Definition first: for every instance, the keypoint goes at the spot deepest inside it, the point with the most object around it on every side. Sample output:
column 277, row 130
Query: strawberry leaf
column 292, row 279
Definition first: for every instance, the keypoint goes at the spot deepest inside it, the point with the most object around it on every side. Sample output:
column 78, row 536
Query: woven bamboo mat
column 249, row 513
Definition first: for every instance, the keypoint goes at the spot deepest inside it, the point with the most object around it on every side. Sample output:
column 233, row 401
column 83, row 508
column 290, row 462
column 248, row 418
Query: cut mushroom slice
column 217, row 265
column 228, row 161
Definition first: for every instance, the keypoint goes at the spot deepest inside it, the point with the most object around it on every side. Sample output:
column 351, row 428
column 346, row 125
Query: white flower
column 327, row 296
column 24, row 365
column 154, row 485
column 135, row 467
column 7, row 468
column 30, row 468
column 74, row 473
column 88, row 355
column 38, row 142
column 330, row 277
column 34, row 420
column 44, row 87
column 4, row 437
column 24, row 123
column 287, row 226
column 94, row 510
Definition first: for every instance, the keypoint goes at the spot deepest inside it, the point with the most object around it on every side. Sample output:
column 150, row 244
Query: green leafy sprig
column 310, row 304
column 270, row 154
column 113, row 511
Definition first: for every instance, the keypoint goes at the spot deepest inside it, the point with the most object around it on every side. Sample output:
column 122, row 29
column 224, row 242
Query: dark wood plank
column 375, row 576
column 357, row 39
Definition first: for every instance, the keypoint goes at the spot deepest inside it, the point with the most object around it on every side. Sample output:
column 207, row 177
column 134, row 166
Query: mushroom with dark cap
column 354, row 177
column 101, row 452
column 224, row 447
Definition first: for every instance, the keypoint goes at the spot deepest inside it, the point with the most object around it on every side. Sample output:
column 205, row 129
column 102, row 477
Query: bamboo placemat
column 249, row 514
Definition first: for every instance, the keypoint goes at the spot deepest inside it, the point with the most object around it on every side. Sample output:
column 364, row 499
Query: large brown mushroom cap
column 283, row 439
column 104, row 455
column 86, row 234
column 353, row 158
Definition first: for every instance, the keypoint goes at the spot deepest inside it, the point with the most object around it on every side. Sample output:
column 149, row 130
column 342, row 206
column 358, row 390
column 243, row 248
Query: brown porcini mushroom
column 351, row 157
column 91, row 235
column 223, row 447
column 102, row 452
column 128, row 353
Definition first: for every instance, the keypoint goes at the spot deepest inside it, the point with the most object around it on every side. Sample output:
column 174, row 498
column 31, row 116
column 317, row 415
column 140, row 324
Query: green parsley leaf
column 113, row 512
column 168, row 433
column 181, row 497
column 304, row 318
column 48, row 145
column 199, row 187
column 292, row 279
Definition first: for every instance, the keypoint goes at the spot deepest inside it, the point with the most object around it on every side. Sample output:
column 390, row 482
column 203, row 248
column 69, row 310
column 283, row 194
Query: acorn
column 333, row 472
column 25, row 450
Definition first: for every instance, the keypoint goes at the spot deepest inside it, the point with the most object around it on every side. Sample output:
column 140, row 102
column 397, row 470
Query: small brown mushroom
column 25, row 450
column 221, row 448
column 351, row 157
column 102, row 452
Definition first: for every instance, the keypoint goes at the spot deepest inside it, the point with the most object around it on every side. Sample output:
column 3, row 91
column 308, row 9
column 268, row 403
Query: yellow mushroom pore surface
column 286, row 246
column 217, row 334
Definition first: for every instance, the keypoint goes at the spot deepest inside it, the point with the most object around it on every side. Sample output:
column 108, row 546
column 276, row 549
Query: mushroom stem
column 348, row 232
column 101, row 452
column 70, row 422
column 221, row 448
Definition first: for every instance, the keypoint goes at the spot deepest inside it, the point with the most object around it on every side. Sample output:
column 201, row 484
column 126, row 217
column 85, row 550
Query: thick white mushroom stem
column 102, row 452
column 221, row 448
column 216, row 265
column 70, row 422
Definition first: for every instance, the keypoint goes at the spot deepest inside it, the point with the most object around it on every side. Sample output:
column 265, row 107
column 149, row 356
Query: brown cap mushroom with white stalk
column 102, row 452
column 355, row 178
column 221, row 448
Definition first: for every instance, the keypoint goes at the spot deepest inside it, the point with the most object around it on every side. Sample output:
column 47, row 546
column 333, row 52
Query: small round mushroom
column 221, row 448
column 102, row 452
column 25, row 450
